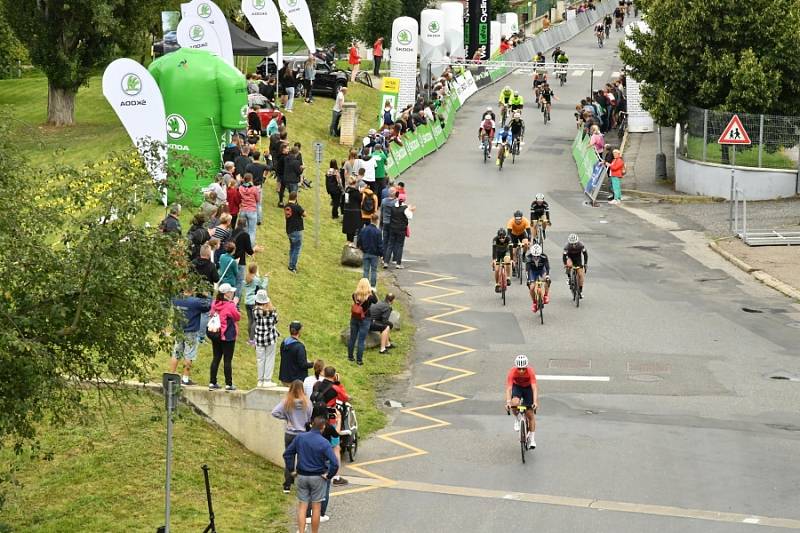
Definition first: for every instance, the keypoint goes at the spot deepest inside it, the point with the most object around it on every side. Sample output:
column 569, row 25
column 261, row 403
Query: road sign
column 734, row 133
column 318, row 151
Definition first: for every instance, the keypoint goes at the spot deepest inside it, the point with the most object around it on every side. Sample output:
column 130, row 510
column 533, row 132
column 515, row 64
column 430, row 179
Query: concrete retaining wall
column 711, row 179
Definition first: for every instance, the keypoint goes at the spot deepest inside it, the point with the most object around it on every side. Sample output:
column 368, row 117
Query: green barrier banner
column 585, row 158
column 413, row 147
column 401, row 159
column 426, row 140
column 496, row 74
column 438, row 134
column 391, row 166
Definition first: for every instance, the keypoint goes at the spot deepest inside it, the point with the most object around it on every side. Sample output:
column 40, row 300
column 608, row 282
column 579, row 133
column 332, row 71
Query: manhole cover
column 782, row 375
column 571, row 364
column 649, row 367
column 646, row 378
column 749, row 310
column 646, row 248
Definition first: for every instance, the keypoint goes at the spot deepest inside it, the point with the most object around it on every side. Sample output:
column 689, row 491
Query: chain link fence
column 775, row 139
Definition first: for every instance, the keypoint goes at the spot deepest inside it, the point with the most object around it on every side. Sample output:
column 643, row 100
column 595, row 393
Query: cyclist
column 490, row 113
column 540, row 210
column 517, row 102
column 503, row 140
column 519, row 229
column 619, row 17
column 563, row 60
column 521, row 389
column 546, row 97
column 487, row 128
column 557, row 53
column 599, row 32
column 517, row 126
column 538, row 267
column 607, row 24
column 505, row 98
column 539, row 58
column 575, row 254
column 501, row 245
column 539, row 79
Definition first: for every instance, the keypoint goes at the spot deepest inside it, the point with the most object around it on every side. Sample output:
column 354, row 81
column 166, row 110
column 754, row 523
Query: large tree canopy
column 68, row 40
column 376, row 20
column 738, row 56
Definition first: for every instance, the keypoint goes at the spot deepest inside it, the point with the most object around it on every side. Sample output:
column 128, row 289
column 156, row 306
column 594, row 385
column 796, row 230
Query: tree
column 501, row 6
column 335, row 24
column 376, row 20
column 715, row 54
column 413, row 8
column 11, row 50
column 85, row 297
column 68, row 40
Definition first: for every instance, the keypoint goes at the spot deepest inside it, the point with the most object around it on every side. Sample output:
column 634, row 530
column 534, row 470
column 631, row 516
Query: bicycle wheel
column 485, row 152
column 540, row 303
column 577, row 294
column 523, row 436
column 503, row 283
column 520, row 266
column 514, row 149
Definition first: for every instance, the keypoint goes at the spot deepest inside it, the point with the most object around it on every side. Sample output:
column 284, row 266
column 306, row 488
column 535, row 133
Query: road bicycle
column 519, row 262
column 523, row 428
column 599, row 35
column 503, row 113
column 546, row 112
column 514, row 150
column 573, row 285
column 562, row 77
column 485, row 146
column 504, row 278
column 622, row 123
column 501, row 155
column 608, row 30
column 538, row 290
column 538, row 231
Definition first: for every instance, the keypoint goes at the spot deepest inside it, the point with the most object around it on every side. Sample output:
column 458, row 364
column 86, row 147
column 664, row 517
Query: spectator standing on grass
column 280, row 171
column 295, row 409
column 310, row 381
column 370, row 243
column 363, row 298
column 241, row 161
column 350, row 165
column 197, row 235
column 294, row 361
column 228, row 266
column 209, row 205
column 617, row 170
column 398, row 231
column 354, row 60
column 223, row 230
column 379, row 316
column 204, row 266
column 336, row 112
column 309, row 72
column 294, row 215
column 352, row 211
column 377, row 56
column 265, row 317
column 185, row 348
column 257, row 169
column 248, row 208
column 380, row 156
column 172, row 223
column 386, row 213
column 293, row 170
column 289, row 82
column 234, row 201
column 334, row 186
column 253, row 284
column 223, row 341
column 231, row 150
column 316, row 464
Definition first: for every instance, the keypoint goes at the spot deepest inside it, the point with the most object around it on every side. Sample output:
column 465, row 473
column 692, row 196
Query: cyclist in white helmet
column 575, row 254
column 521, row 389
column 540, row 210
column 537, row 266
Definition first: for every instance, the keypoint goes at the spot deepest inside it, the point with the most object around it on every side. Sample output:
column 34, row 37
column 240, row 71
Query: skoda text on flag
column 479, row 28
column 298, row 14
column 405, row 44
column 136, row 99
column 199, row 35
column 210, row 12
column 266, row 21
column 431, row 42
column 453, row 29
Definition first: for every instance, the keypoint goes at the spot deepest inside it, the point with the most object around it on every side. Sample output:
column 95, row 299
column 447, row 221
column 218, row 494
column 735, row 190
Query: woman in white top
column 308, row 383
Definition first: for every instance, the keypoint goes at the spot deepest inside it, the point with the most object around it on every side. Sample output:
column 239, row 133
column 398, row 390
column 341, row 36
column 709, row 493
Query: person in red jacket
column 377, row 55
column 330, row 390
column 504, row 46
column 223, row 336
column 355, row 61
column 234, row 200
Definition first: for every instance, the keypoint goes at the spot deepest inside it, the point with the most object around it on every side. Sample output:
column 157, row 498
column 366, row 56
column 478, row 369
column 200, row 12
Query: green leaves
column 376, row 20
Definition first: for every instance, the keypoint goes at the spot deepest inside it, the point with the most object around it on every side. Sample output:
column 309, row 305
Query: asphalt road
column 687, row 435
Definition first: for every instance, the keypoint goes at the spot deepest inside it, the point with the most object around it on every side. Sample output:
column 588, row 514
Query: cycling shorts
column 517, row 239
column 576, row 261
column 500, row 255
column 525, row 394
column 535, row 275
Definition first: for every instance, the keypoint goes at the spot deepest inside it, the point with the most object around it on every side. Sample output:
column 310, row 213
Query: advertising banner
column 263, row 16
column 438, row 134
column 298, row 14
column 592, row 186
column 390, row 88
column 431, row 43
column 453, row 29
column 465, row 87
column 494, row 42
column 401, row 159
column 135, row 97
column 426, row 140
column 479, row 34
column 209, row 12
column 509, row 23
column 413, row 148
column 199, row 35
column 391, row 166
column 405, row 44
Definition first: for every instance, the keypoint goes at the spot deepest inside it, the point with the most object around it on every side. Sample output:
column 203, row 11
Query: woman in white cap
column 266, row 337
column 222, row 329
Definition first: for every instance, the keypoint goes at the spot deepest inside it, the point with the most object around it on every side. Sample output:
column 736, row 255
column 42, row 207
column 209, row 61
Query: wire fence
column 775, row 139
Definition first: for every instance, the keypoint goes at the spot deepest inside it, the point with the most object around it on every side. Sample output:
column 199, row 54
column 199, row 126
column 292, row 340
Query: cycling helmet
column 573, row 238
column 521, row 361
column 501, row 232
column 516, row 93
column 540, row 197
column 506, row 88
column 536, row 250
column 489, row 108
column 517, row 214
column 517, row 115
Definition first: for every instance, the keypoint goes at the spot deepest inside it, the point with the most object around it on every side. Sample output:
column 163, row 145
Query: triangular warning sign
column 734, row 133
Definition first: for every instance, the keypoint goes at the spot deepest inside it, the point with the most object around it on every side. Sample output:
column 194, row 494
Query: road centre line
column 598, row 73
column 578, row 72
column 667, row 511
column 551, row 377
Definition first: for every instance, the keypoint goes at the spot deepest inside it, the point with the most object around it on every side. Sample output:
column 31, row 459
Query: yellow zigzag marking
column 460, row 373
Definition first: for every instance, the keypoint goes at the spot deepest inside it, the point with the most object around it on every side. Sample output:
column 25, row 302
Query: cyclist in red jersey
column 521, row 389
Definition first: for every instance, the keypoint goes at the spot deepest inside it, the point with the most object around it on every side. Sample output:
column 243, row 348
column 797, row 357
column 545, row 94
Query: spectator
column 289, row 82
column 204, row 266
column 294, row 214
column 272, row 126
column 398, row 231
column 267, row 89
column 251, row 196
column 379, row 315
column 223, row 341
column 336, row 113
column 386, row 213
column 172, row 223
column 294, row 362
column 380, row 156
column 371, row 244
column 253, row 284
column 350, row 165
column 209, row 205
column 310, row 381
column 257, row 169
column 197, row 235
column 234, row 201
column 280, row 171
column 617, row 170
column 266, row 336
column 388, row 119
column 222, row 230
column 185, row 347
column 227, row 268
column 369, row 204
column 355, row 61
column 330, row 390
column 316, row 463
column 293, row 170
column 243, row 160
column 309, row 72
column 377, row 56
column 295, row 409
column 231, row 150
column 351, row 211
column 254, row 125
column 275, row 141
column 597, row 141
column 334, row 186
column 368, row 163
column 363, row 298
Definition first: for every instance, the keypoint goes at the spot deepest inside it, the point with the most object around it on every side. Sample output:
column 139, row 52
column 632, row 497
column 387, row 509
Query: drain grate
column 782, row 375
column 649, row 367
column 750, row 310
column 570, row 364
column 646, row 248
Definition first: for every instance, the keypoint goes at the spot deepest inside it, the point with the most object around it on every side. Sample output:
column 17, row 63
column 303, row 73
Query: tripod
column 210, row 528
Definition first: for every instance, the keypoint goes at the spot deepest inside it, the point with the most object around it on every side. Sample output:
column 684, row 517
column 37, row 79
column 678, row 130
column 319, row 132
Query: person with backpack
column 325, row 395
column 334, row 186
column 294, row 360
column 363, row 298
column 369, row 205
column 197, row 235
column 222, row 329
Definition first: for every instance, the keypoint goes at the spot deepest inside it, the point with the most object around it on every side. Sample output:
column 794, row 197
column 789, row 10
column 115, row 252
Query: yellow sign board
column 390, row 85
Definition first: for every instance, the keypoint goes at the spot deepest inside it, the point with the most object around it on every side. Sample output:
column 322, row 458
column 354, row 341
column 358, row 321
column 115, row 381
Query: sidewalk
column 640, row 157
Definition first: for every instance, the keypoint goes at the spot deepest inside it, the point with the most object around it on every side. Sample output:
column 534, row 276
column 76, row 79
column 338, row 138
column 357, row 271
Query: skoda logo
column 131, row 84
column 433, row 27
column 176, row 126
column 196, row 32
column 404, row 37
column 291, row 3
column 259, row 4
column 204, row 10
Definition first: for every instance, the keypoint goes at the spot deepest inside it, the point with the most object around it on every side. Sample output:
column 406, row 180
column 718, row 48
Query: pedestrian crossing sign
column 734, row 133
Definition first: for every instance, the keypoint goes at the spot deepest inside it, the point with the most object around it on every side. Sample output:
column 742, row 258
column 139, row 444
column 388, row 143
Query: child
column 252, row 284
column 266, row 337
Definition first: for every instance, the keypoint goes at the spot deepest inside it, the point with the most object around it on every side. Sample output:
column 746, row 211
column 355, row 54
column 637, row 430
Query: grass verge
column 745, row 157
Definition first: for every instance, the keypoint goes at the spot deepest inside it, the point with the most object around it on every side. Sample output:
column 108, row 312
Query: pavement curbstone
column 732, row 258
column 760, row 275
column 674, row 198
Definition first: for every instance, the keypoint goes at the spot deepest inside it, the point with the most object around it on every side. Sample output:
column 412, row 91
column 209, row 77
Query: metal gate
column 758, row 237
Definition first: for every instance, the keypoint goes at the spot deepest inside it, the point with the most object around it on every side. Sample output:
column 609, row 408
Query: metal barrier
column 758, row 237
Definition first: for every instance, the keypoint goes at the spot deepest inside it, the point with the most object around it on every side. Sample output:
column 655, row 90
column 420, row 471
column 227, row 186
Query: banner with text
column 209, row 12
column 198, row 34
column 479, row 29
column 263, row 16
column 298, row 14
column 405, row 45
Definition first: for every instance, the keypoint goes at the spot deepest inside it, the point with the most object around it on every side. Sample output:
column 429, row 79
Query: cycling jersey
column 537, row 269
column 487, row 125
column 500, row 248
column 563, row 59
column 607, row 20
column 547, row 94
column 576, row 253
column 517, row 229
column 517, row 101
column 521, row 379
column 538, row 80
column 539, row 211
column 517, row 126
column 505, row 97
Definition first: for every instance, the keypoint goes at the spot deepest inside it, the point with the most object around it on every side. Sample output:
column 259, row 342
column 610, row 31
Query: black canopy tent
column 245, row 44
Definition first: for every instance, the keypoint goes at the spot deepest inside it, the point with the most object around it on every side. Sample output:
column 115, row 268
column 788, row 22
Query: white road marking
column 578, row 72
column 751, row 520
column 598, row 73
column 571, row 378
column 615, row 74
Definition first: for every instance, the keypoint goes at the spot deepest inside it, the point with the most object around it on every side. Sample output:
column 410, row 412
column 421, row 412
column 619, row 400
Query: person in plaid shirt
column 266, row 338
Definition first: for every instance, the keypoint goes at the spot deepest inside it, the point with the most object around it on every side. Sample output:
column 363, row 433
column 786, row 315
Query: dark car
column 165, row 46
column 328, row 79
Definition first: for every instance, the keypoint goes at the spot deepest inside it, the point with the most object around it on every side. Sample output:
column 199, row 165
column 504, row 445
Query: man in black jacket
column 292, row 170
column 294, row 361
column 257, row 169
column 205, row 267
column 380, row 314
column 370, row 241
column 398, row 225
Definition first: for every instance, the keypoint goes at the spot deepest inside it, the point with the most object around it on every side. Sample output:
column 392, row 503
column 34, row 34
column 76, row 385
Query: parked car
column 328, row 79
column 267, row 112
column 168, row 44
